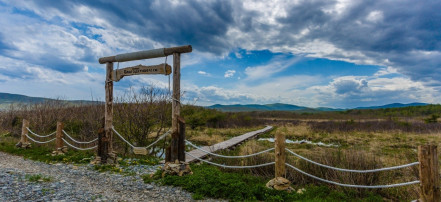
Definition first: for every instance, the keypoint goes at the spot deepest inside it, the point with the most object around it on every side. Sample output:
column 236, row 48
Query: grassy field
column 356, row 149
column 360, row 139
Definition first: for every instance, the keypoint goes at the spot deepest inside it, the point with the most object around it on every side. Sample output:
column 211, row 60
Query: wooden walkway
column 225, row 144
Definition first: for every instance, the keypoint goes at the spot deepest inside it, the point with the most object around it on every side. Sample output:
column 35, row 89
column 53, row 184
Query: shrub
column 37, row 178
column 432, row 119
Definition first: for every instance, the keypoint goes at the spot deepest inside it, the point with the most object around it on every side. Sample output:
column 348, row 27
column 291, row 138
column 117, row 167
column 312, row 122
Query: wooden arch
column 105, row 139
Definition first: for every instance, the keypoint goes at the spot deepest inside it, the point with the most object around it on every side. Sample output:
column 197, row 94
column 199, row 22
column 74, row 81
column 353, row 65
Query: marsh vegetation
column 366, row 139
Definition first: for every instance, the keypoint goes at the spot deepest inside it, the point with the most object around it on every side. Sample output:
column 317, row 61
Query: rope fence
column 224, row 156
column 150, row 145
column 349, row 170
column 40, row 142
column 303, row 172
column 41, row 136
column 76, row 141
column 427, row 160
column 227, row 166
column 79, row 148
column 353, row 185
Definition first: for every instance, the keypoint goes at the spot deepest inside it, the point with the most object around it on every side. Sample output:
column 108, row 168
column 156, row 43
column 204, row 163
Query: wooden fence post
column 105, row 142
column 280, row 155
column 181, row 142
column 59, row 136
column 24, row 142
column 429, row 173
column 176, row 108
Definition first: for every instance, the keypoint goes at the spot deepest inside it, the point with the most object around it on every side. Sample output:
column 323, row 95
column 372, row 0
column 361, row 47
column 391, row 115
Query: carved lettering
column 141, row 69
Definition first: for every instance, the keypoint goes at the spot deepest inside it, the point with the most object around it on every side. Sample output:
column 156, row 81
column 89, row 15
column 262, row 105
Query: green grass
column 37, row 178
column 41, row 153
column 108, row 168
column 144, row 160
column 209, row 181
column 124, row 163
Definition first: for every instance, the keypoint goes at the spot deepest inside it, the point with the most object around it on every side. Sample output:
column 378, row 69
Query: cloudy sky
column 325, row 53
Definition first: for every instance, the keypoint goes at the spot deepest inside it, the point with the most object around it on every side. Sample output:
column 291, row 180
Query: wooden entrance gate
column 176, row 151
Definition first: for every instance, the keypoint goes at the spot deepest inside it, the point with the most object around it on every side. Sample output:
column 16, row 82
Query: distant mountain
column 394, row 105
column 256, row 107
column 289, row 107
column 7, row 99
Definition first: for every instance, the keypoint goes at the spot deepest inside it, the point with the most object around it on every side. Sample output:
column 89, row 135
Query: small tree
column 432, row 119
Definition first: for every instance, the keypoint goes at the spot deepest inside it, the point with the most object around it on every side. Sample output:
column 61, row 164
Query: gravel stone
column 79, row 183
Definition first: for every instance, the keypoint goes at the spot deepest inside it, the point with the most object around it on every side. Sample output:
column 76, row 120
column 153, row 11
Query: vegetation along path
column 225, row 144
column 26, row 180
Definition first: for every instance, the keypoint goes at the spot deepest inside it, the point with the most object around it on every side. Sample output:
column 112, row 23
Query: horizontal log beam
column 147, row 54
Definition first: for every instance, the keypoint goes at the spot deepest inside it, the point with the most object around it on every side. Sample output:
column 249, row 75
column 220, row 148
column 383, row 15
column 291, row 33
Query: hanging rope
column 223, row 156
column 131, row 145
column 42, row 136
column 67, row 135
column 83, row 149
column 349, row 170
column 160, row 138
column 122, row 138
column 227, row 166
column 352, row 185
column 43, row 142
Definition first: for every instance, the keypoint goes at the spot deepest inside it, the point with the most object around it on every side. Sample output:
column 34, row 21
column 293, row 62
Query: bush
column 432, row 119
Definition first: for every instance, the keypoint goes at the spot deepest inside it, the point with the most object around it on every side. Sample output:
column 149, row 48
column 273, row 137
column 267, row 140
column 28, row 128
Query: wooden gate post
column 105, row 142
column 181, row 141
column 280, row 155
column 59, row 136
column 176, row 108
column 24, row 142
column 429, row 173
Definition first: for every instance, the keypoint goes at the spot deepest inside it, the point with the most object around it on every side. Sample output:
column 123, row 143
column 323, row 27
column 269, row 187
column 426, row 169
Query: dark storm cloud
column 202, row 24
column 402, row 33
column 395, row 33
column 349, row 86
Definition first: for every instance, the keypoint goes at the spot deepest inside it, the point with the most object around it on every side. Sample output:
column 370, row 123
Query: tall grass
column 374, row 126
column 350, row 159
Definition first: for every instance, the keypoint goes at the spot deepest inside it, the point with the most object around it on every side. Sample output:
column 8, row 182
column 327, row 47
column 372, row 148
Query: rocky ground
column 77, row 183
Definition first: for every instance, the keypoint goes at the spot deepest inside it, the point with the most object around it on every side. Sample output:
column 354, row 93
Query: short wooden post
column 24, row 142
column 429, row 173
column 59, row 135
column 176, row 107
column 181, row 141
column 280, row 155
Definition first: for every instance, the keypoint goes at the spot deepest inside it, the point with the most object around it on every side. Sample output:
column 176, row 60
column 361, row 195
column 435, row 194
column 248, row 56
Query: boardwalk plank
column 225, row 144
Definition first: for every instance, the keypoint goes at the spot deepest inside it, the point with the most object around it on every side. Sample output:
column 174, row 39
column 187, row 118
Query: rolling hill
column 7, row 99
column 288, row 107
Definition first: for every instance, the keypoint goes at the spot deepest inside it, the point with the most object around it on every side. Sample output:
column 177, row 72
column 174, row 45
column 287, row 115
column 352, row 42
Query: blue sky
column 311, row 53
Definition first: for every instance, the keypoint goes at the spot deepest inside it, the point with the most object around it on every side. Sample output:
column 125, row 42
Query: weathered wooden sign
column 141, row 69
column 140, row 150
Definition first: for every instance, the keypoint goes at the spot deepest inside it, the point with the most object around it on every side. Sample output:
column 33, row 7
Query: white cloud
column 202, row 73
column 276, row 65
column 229, row 73
column 375, row 16
column 52, row 52
column 386, row 71
column 355, row 91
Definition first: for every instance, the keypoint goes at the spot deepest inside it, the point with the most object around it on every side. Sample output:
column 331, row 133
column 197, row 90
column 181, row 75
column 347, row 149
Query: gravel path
column 77, row 183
